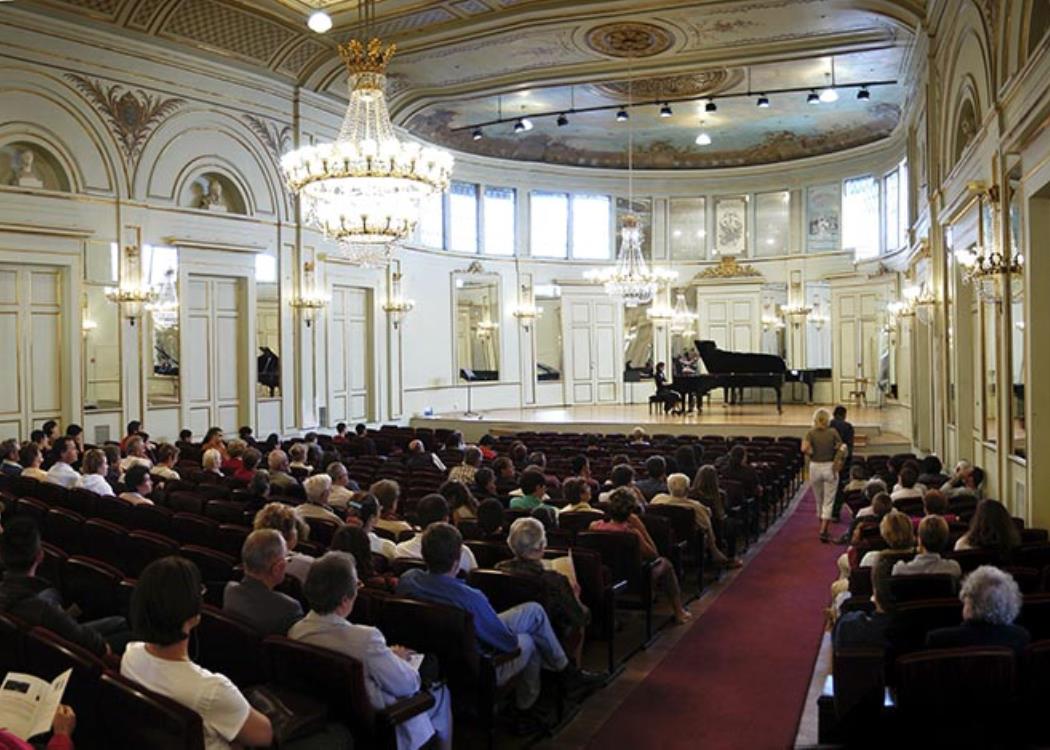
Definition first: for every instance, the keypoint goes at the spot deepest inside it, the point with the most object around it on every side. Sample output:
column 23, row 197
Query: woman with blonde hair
column 283, row 519
column 821, row 445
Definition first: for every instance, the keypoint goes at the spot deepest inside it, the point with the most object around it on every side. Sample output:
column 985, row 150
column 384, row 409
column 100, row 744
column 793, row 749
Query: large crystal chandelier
column 364, row 190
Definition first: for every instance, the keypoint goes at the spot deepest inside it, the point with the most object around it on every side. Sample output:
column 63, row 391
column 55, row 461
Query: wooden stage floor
column 884, row 430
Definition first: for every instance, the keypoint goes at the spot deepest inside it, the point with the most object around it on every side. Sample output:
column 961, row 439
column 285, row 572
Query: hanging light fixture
column 164, row 304
column 683, row 318
column 631, row 277
column 310, row 299
column 397, row 306
column 813, row 98
column 131, row 293
column 763, row 101
column 864, row 95
column 477, row 135
column 622, row 116
column 710, row 106
column 665, row 111
column 817, row 317
column 993, row 272
column 319, row 22
column 364, row 190
column 562, row 120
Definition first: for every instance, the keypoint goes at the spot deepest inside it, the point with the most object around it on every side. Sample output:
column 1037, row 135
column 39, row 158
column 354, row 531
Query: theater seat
column 506, row 590
column 213, row 565
column 190, row 528
column 135, row 717
column 489, row 554
column 143, row 547
column 229, row 647
column 621, row 553
column 106, row 541
column 48, row 656
column 908, row 588
column 63, row 528
column 92, row 585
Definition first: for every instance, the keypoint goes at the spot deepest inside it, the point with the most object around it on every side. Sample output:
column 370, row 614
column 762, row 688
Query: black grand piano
column 731, row 371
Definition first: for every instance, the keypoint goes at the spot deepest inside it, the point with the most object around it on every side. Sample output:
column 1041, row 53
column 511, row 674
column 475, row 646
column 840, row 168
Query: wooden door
column 213, row 361
column 349, row 355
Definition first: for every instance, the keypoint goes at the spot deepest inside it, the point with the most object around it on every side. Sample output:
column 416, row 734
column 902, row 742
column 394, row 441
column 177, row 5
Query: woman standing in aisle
column 821, row 445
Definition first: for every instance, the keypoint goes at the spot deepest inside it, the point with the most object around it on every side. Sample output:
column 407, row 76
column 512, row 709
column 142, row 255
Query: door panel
column 214, row 374
column 349, row 355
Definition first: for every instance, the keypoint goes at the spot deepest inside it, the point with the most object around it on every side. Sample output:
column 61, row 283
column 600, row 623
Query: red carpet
column 739, row 678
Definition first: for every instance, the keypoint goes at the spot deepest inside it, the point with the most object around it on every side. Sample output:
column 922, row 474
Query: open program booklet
column 28, row 704
column 563, row 565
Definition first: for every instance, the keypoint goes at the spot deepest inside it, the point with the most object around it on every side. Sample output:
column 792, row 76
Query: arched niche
column 967, row 122
column 31, row 165
column 213, row 191
column 1037, row 26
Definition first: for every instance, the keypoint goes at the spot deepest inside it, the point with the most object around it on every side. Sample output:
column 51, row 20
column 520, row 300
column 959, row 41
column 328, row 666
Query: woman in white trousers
column 821, row 445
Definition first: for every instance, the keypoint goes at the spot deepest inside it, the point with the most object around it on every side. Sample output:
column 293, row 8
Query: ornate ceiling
column 466, row 61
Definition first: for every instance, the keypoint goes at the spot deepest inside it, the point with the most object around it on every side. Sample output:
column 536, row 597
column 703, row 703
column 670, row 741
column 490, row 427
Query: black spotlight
column 813, row 98
column 562, row 120
column 519, row 127
column 864, row 94
column 621, row 116
column 763, row 101
column 477, row 135
column 665, row 111
column 710, row 106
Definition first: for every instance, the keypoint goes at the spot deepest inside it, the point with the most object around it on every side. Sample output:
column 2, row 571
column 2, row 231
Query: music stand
column 470, row 376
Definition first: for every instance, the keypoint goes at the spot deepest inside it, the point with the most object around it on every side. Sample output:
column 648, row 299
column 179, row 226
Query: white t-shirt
column 414, row 548
column 222, row 707
column 95, row 483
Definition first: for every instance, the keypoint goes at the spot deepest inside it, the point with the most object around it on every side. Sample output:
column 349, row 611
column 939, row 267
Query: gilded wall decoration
column 131, row 115
column 727, row 268
column 674, row 87
column 629, row 39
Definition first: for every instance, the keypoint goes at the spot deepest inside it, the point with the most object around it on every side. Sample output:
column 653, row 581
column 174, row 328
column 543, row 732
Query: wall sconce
column 817, row 317
column 772, row 318
column 131, row 294
column 985, row 265
column 396, row 306
column 310, row 299
column 526, row 312
column 797, row 314
column 920, row 302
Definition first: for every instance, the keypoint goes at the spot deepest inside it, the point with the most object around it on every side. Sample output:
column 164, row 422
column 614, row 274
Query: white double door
column 31, row 352
column 349, row 354
column 214, row 361
column 857, row 341
column 594, row 340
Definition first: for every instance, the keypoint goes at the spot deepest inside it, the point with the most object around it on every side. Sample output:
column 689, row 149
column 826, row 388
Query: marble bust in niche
column 213, row 200
column 26, row 175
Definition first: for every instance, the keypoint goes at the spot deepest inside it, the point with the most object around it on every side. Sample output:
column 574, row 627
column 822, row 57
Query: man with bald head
column 253, row 600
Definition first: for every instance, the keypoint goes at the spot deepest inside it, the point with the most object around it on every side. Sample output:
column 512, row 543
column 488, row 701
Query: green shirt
column 525, row 502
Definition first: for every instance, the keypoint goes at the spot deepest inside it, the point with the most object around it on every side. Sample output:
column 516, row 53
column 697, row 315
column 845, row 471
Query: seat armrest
column 406, row 708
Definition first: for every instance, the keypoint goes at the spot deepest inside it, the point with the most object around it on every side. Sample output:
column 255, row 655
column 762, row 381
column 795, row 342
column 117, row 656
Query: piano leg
column 810, row 386
column 780, row 407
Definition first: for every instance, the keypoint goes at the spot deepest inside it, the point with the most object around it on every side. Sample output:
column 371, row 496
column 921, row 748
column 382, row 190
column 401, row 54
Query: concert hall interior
column 633, row 374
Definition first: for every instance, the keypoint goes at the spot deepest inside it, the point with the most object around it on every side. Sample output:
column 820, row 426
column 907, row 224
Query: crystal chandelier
column 397, row 305
column 682, row 318
column 364, row 190
column 164, row 303
column 131, row 293
column 993, row 272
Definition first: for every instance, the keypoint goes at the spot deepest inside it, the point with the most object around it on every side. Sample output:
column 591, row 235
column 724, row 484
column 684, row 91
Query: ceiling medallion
column 675, row 87
column 629, row 39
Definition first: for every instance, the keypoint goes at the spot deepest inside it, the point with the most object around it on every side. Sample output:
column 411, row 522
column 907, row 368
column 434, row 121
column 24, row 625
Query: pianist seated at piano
column 664, row 392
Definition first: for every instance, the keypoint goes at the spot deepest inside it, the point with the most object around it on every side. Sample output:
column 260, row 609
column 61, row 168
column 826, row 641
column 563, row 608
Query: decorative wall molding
column 276, row 137
column 727, row 268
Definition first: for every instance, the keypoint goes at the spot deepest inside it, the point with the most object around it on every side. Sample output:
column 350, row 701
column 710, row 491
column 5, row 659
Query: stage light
column 813, row 98
column 319, row 21
column 621, row 116
column 562, row 120
column 763, row 101
column 829, row 95
column 665, row 111
column 710, row 106
column 703, row 139
column 477, row 135
column 864, row 95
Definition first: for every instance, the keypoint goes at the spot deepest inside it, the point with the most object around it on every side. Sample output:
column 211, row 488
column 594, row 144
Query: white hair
column 211, row 459
column 277, row 460
column 316, row 487
column 678, row 485
column 994, row 595
column 526, row 536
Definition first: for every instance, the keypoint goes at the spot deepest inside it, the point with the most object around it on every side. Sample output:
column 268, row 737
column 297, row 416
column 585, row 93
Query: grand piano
column 731, row 371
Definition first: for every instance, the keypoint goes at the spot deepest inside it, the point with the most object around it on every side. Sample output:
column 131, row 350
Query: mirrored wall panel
column 688, row 225
column 477, row 307
column 160, row 266
column 637, row 343
column 548, row 339
column 267, row 328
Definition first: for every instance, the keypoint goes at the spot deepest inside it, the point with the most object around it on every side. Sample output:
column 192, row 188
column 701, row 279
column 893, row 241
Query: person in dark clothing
column 991, row 602
column 932, row 473
column 34, row 601
column 484, row 486
column 664, row 392
column 845, row 431
column 655, row 481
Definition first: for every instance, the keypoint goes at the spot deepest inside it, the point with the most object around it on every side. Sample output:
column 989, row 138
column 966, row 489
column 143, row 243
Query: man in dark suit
column 991, row 602
column 253, row 600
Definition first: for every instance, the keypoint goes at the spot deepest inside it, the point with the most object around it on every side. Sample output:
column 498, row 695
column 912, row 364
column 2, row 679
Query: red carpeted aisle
column 739, row 678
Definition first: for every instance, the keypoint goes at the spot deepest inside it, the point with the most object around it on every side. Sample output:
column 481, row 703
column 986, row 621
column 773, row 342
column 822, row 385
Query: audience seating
column 138, row 718
column 227, row 646
column 631, row 576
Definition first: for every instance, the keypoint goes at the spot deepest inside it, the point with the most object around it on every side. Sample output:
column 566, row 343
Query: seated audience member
column 235, row 460
column 705, row 490
column 533, row 489
column 907, row 486
column 991, row 602
column 487, row 446
column 136, row 454
column 134, row 426
column 638, row 437
column 576, row 492
column 858, row 478
column 50, row 429
column 655, row 482
column 165, row 607
column 62, row 471
column 185, row 440
column 581, row 467
column 561, row 600
column 253, row 600
column 465, row 471
column 967, row 480
column 538, row 460
column 859, row 629
column 213, row 439
column 388, row 493
column 931, row 472
column 519, row 455
column 433, row 509
column 870, row 512
column 211, row 463
column 297, row 454
column 547, row 516
column 246, row 435
column 525, row 627
column 934, row 503
column 418, row 457
column 678, row 495
column 991, row 528
column 31, row 459
column 461, row 501
column 331, row 589
column 9, row 452
column 896, row 531
column 138, row 484
column 685, row 461
column 34, row 600
column 622, row 505
column 622, row 475
column 933, row 540
column 62, row 726
column 491, row 521
column 483, row 487
column 40, row 439
column 740, row 470
column 277, row 462
column 258, row 491
column 167, row 457
column 317, row 489
column 356, row 541
column 506, row 476
column 343, row 487
column 454, row 441
column 340, row 437
column 362, row 444
column 113, row 461
column 282, row 518
column 366, row 512
column 250, row 460
column 94, row 477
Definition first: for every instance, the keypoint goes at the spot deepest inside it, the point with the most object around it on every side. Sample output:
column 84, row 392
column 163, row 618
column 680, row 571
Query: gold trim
column 213, row 245
column 727, row 268
column 50, row 231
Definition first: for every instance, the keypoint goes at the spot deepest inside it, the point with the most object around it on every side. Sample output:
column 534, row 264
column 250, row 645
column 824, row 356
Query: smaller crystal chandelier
column 682, row 319
column 485, row 328
column 817, row 317
column 526, row 311
column 992, row 271
column 796, row 313
column 921, row 301
column 660, row 313
column 397, row 306
column 631, row 277
column 772, row 320
column 164, row 306
column 131, row 293
column 310, row 299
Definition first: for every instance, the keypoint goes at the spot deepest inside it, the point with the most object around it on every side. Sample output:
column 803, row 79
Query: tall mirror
column 267, row 328
column 637, row 344
column 548, row 335
column 1017, row 321
column 160, row 270
column 100, row 325
column 477, row 307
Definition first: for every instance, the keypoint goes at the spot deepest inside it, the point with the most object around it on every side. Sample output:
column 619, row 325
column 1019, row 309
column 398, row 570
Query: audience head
column 454, row 439
column 933, row 534
column 167, row 600
column 660, row 366
column 685, row 460
column 575, row 491
column 503, row 467
column 656, row 467
column 361, row 429
column 518, row 451
column 433, row 508
column 236, row 448
column 185, row 436
column 882, row 503
column 487, row 441
column 441, row 547
column 39, row 439
column 533, row 482
column 213, row 435
column 387, row 493
column 840, row 412
column 737, row 456
column 932, row 465
column 458, row 495
column 990, row 595
column 251, row 459
column 30, row 455
column 527, row 539
column 211, row 460
column 283, row 519
column 580, row 463
column 897, row 531
column 137, row 479
column 259, row 484
column 167, row 454
column 472, row 457
column 355, row 541
column 962, row 466
column 20, row 549
column 490, row 517
column 678, row 485
column 112, row 455
column 50, row 428
column 992, row 528
column 95, row 462
column 874, row 487
column 821, row 418
column 546, row 515
column 75, row 431
column 638, row 433
column 297, row 453
column 264, row 555
column 416, row 448
column 975, row 479
column 485, row 480
column 9, row 450
column 133, row 427
column 331, row 584
column 622, row 503
column 277, row 460
column 66, row 449
column 934, row 503
column 908, row 476
column 317, row 488
column 136, row 447
column 340, row 429
column 857, row 473
column 538, row 459
column 366, row 510
column 338, row 474
column 706, row 482
column 245, row 433
column 622, row 475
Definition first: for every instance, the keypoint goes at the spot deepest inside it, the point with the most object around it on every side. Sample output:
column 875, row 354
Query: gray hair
column 331, row 578
column 316, row 487
column 336, row 470
column 678, row 485
column 994, row 595
column 211, row 459
column 874, row 487
column 262, row 549
column 298, row 452
column 526, row 536
column 277, row 460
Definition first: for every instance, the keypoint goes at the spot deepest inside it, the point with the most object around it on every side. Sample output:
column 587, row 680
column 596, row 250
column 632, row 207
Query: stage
column 878, row 430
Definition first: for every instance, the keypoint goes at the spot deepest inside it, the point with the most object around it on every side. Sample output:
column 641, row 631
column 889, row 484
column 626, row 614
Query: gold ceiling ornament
column 728, row 268
column 366, row 58
column 674, row 87
column 629, row 39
